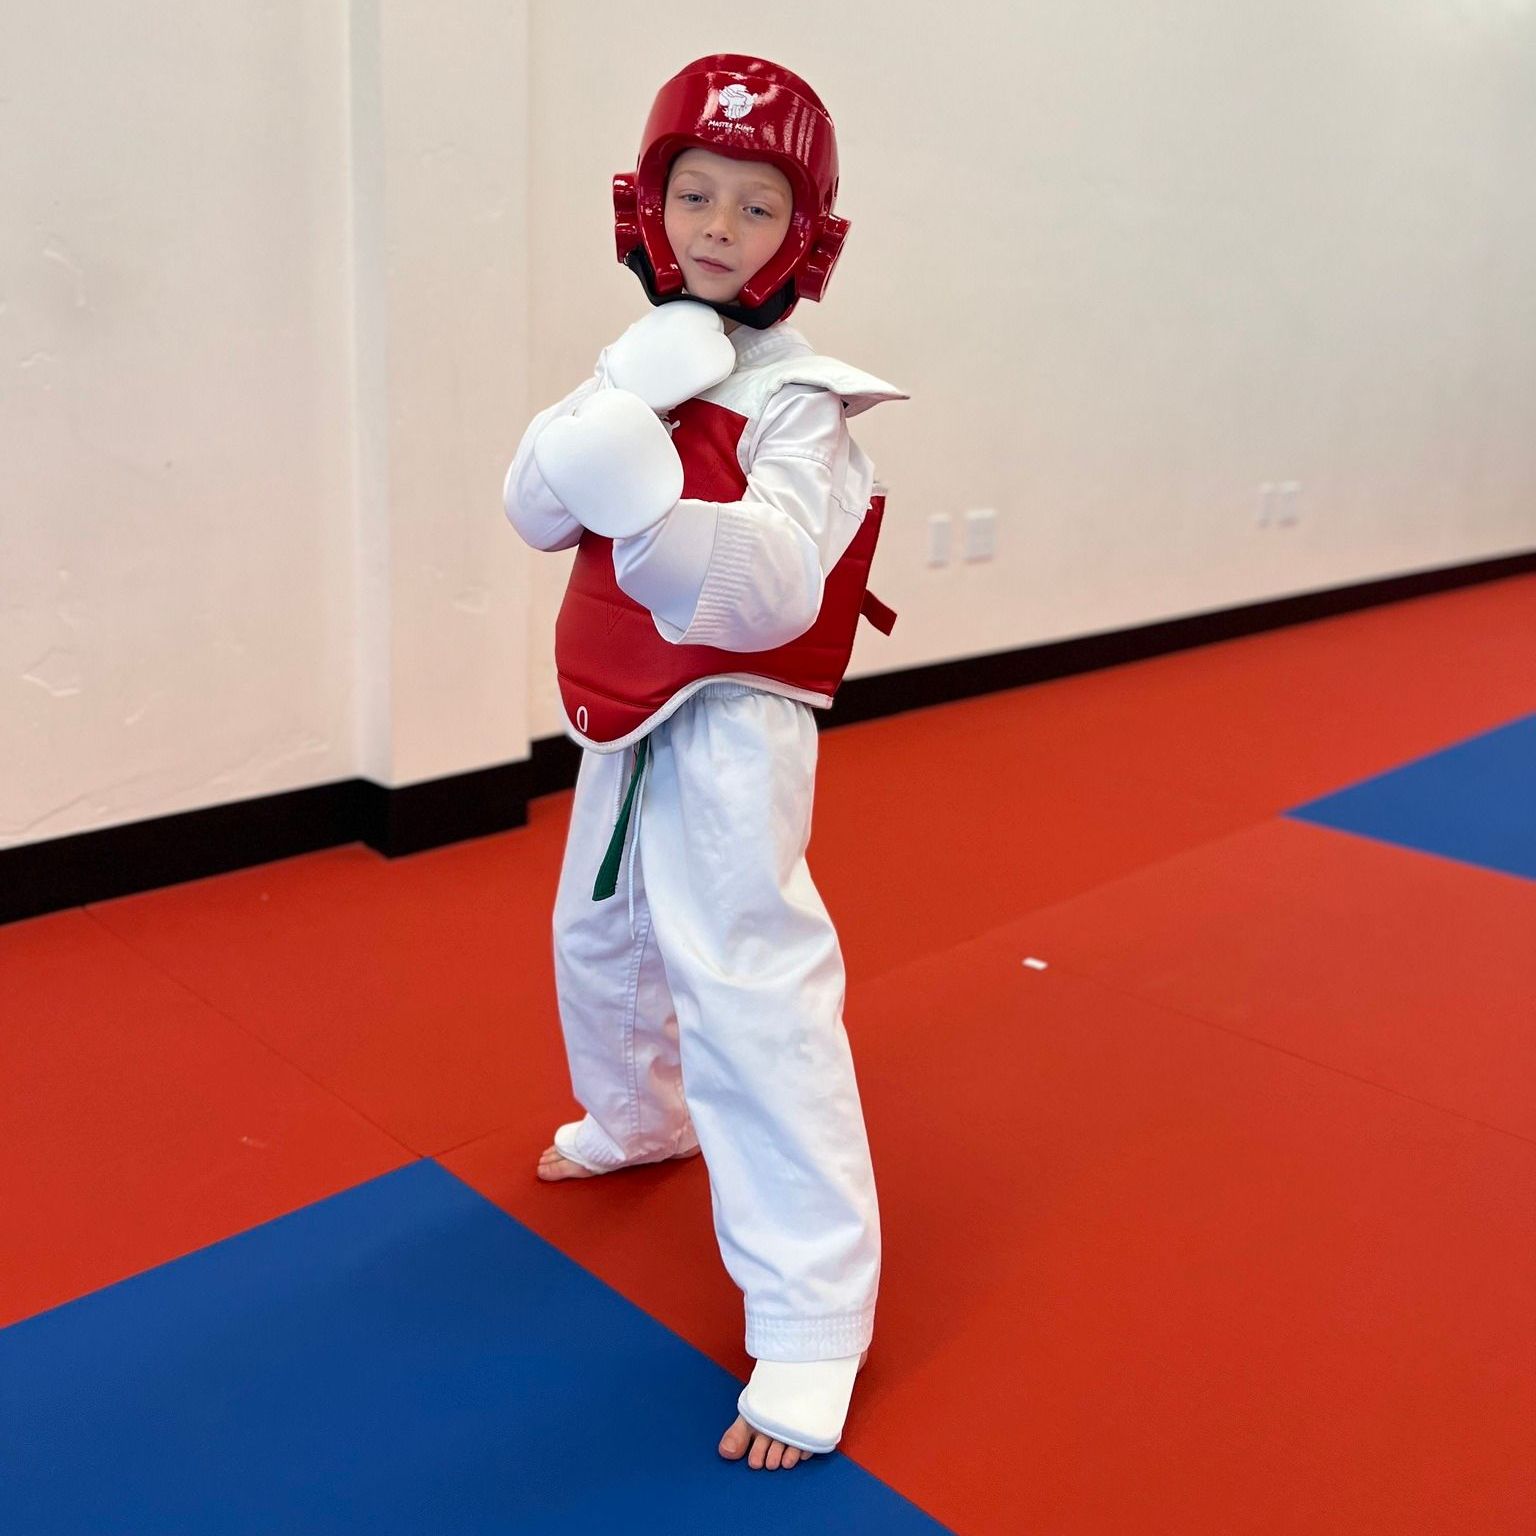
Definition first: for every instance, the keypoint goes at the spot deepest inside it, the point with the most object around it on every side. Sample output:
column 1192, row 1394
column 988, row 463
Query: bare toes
column 554, row 1165
column 764, row 1452
column 733, row 1444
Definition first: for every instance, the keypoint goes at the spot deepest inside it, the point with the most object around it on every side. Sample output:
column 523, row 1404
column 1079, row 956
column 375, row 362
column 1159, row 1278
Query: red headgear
column 737, row 105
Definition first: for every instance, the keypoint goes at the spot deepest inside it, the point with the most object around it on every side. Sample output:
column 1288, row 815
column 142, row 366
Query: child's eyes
column 767, row 213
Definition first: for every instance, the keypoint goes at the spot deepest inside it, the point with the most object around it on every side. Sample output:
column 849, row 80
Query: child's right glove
column 611, row 463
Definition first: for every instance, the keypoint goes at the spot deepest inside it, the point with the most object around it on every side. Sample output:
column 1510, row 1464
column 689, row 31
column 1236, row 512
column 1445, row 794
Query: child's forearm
column 745, row 575
column 749, row 575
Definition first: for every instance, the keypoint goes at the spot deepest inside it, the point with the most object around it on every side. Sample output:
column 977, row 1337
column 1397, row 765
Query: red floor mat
column 1414, row 972
column 420, row 990
column 934, row 826
column 139, row 1123
column 976, row 814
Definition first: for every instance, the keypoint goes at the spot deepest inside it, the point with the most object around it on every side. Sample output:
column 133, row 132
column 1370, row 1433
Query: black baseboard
column 421, row 816
column 143, row 855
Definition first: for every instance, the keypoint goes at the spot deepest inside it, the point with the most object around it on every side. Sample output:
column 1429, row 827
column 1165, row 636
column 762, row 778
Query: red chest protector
column 615, row 669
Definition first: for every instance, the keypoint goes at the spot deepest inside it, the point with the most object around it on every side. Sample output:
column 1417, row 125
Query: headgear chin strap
column 750, row 109
column 759, row 317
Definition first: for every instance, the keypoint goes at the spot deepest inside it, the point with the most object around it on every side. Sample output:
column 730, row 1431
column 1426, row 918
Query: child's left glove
column 673, row 353
column 611, row 463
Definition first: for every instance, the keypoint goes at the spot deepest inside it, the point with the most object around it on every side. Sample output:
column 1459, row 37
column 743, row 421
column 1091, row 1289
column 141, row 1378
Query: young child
column 724, row 523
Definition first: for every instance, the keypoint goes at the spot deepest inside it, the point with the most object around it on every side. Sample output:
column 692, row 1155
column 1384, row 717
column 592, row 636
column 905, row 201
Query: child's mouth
column 710, row 266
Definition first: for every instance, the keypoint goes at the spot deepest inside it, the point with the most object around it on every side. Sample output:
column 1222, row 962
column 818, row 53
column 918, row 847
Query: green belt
column 608, row 875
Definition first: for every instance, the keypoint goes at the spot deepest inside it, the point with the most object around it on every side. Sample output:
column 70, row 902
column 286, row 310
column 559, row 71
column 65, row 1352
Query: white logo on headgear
column 737, row 101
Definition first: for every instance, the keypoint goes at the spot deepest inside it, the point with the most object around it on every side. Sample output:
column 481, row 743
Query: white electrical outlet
column 938, row 539
column 1279, row 502
column 1290, row 493
column 1266, row 509
column 981, row 533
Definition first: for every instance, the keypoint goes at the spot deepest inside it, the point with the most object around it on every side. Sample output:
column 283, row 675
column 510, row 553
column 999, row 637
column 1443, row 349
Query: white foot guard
column 562, row 1142
column 804, row 1403
column 565, row 1142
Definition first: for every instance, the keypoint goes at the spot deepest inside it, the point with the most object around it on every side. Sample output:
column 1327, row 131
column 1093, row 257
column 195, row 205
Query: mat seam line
column 249, row 1033
column 1270, row 1045
column 1391, row 842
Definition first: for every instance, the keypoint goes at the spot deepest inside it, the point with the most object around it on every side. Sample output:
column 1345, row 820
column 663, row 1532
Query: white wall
column 263, row 308
column 280, row 284
column 175, row 559
column 440, row 332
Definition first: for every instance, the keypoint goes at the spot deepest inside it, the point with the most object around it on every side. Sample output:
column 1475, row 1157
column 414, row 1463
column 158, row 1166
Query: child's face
column 733, row 213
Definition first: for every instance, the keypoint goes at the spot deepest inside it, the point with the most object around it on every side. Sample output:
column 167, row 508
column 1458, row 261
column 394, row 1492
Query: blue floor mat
column 401, row 1357
column 1475, row 802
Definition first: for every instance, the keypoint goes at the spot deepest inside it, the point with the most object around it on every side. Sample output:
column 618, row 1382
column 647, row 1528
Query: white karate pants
column 702, row 1003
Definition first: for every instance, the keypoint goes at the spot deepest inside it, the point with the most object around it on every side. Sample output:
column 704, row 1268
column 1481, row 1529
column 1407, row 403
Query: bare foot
column 553, row 1167
column 764, row 1450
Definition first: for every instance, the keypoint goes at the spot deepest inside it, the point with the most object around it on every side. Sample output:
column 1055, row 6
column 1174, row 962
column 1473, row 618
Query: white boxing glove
column 611, row 463
column 675, row 352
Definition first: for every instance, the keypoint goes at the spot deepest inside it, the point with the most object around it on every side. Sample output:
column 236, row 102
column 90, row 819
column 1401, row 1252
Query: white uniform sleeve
column 533, row 509
column 748, row 575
